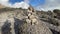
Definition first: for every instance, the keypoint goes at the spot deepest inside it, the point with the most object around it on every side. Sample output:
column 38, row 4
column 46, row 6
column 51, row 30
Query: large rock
column 39, row 28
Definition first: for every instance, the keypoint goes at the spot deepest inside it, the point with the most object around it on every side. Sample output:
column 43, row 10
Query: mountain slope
column 27, row 21
column 18, row 20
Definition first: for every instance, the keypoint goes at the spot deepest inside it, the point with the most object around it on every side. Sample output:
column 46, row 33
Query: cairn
column 32, row 19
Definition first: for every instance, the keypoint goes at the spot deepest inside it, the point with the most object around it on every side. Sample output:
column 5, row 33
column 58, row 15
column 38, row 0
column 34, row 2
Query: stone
column 29, row 11
column 32, row 17
column 28, row 20
column 29, row 14
column 34, row 20
column 34, row 29
column 26, row 16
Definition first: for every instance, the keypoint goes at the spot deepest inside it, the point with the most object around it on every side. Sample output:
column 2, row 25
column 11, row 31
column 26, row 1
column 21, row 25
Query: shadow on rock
column 55, row 32
column 17, row 24
column 6, row 28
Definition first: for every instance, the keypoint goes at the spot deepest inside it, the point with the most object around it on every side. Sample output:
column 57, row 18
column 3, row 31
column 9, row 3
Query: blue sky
column 14, row 1
column 37, row 2
column 31, row 2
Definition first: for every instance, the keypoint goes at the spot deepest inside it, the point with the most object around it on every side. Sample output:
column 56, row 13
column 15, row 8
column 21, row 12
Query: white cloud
column 4, row 2
column 26, row 1
column 50, row 5
column 22, row 4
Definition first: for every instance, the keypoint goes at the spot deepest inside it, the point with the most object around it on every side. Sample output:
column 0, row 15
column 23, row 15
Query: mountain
column 28, row 21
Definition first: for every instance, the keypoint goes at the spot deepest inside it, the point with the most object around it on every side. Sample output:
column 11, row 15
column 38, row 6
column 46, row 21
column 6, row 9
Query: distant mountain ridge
column 22, row 5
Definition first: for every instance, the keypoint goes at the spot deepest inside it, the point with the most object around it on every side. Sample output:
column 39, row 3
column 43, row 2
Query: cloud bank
column 49, row 5
column 22, row 4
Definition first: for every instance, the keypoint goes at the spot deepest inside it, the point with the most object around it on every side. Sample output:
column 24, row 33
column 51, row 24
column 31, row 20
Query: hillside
column 29, row 21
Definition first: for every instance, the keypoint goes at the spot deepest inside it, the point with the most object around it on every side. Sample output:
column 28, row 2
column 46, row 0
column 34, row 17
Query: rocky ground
column 29, row 21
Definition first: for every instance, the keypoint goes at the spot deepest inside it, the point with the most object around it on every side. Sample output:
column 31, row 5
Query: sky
column 37, row 4
column 31, row 2
column 14, row 1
